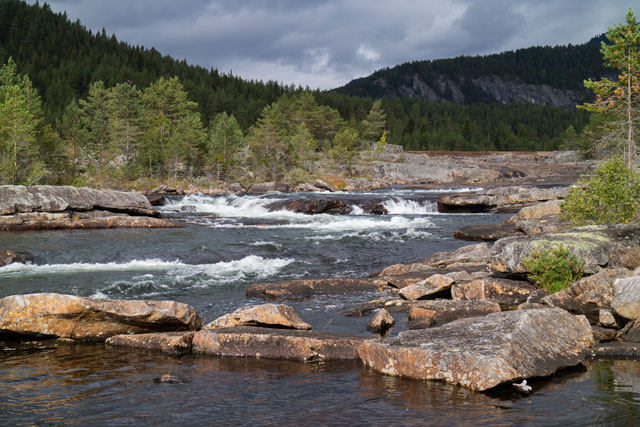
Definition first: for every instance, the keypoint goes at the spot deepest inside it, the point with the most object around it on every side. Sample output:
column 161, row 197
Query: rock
column 323, row 185
column 497, row 198
column 156, row 199
column 306, row 346
column 67, row 316
column 488, row 232
column 79, row 220
column 630, row 332
column 263, row 315
column 588, row 295
column 432, row 285
column 16, row 199
column 483, row 352
column 536, row 212
column 531, row 306
column 175, row 343
column 318, row 206
column 10, row 257
column 615, row 350
column 171, row 379
column 603, row 334
column 441, row 311
column 188, row 208
column 381, row 322
column 306, row 187
column 270, row 187
column 507, row 293
column 234, row 187
column 626, row 298
column 300, row 289
column 606, row 318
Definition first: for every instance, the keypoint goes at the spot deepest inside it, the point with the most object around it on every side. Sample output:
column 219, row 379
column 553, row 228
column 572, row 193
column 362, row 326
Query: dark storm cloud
column 326, row 43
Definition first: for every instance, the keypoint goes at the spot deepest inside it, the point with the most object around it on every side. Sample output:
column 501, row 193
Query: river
column 226, row 244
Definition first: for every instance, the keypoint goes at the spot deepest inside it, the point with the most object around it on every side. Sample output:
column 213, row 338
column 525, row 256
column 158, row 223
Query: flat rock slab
column 79, row 220
column 267, row 315
column 301, row 289
column 440, row 311
column 626, row 298
column 483, row 352
column 507, row 293
column 68, row 316
column 305, row 346
column 497, row 198
column 175, row 343
column 487, row 232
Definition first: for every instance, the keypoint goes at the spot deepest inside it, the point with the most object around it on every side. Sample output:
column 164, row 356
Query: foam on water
column 410, row 207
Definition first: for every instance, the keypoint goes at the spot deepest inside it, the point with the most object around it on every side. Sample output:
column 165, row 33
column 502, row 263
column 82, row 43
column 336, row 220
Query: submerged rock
column 381, row 322
column 483, row 352
column 68, row 316
column 263, row 315
column 268, row 343
column 175, row 343
column 440, row 311
column 626, row 299
column 300, row 289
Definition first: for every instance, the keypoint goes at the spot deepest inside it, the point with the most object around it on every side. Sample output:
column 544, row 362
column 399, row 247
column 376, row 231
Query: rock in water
column 9, row 257
column 306, row 288
column 67, row 316
column 440, row 311
column 175, row 343
column 483, row 352
column 381, row 322
column 265, row 315
column 626, row 299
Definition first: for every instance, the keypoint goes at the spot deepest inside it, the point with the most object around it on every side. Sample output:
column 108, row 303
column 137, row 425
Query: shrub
column 610, row 196
column 553, row 269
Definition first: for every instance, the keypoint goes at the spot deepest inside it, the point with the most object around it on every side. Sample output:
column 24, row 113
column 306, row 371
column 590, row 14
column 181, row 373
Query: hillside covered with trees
column 83, row 108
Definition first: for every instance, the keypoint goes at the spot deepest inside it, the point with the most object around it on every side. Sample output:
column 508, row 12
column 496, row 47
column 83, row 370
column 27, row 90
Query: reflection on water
column 48, row 383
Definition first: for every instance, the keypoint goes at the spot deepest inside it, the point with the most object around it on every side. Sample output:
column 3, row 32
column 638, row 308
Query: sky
column 327, row 43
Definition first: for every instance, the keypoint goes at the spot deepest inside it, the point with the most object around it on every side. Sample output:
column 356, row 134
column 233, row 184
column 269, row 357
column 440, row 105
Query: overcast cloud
column 327, row 43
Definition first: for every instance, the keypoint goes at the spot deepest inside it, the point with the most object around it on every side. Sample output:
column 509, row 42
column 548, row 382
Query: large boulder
column 497, row 198
column 483, row 352
column 437, row 312
column 48, row 198
column 264, row 315
column 268, row 343
column 507, row 293
column 68, row 316
column 301, row 289
column 588, row 295
column 626, row 298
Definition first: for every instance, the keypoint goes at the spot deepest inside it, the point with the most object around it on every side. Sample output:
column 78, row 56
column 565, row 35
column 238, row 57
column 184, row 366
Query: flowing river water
column 226, row 244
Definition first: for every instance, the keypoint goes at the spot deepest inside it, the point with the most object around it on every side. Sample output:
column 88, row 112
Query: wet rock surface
column 301, row 289
column 175, row 343
column 263, row 315
column 67, row 316
column 10, row 257
column 481, row 353
column 305, row 346
column 440, row 311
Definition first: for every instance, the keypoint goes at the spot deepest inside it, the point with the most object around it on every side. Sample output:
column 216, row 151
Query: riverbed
column 227, row 243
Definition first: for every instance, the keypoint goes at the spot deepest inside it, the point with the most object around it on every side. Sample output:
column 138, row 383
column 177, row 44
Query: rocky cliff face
column 494, row 87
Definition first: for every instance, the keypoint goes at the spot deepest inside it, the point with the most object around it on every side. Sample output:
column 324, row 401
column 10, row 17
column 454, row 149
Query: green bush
column 610, row 196
column 553, row 269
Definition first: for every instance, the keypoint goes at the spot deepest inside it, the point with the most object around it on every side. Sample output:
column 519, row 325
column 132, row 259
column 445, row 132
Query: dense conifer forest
column 85, row 108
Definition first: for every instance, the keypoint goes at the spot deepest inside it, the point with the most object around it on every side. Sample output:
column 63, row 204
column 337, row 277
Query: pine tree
column 268, row 145
column 375, row 122
column 73, row 134
column 225, row 142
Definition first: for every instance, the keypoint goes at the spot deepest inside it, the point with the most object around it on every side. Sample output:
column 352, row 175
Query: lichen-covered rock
column 381, row 322
column 68, row 316
column 483, row 352
column 432, row 285
column 263, row 315
column 588, row 295
column 440, row 311
column 175, row 343
column 268, row 343
column 626, row 298
column 300, row 289
column 508, row 293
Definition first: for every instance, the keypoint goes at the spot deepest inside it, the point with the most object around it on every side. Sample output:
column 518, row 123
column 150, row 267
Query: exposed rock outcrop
column 68, row 316
column 483, row 352
column 497, row 198
column 263, row 315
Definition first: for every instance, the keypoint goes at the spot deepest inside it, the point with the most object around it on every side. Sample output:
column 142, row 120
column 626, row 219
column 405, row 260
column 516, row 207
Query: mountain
column 537, row 75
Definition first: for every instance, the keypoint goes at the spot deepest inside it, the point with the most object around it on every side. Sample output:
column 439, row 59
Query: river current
column 226, row 244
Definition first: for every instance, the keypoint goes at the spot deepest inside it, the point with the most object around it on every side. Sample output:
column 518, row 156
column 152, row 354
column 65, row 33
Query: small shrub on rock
column 553, row 269
column 610, row 196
